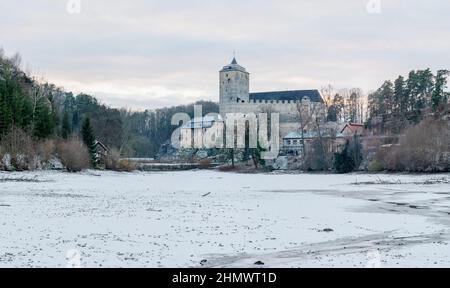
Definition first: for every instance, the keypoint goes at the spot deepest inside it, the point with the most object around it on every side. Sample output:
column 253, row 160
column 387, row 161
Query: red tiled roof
column 353, row 127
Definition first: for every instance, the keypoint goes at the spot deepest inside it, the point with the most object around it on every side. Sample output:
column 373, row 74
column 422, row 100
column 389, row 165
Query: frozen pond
column 178, row 219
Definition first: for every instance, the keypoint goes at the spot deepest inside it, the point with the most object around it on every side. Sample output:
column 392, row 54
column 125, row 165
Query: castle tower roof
column 233, row 66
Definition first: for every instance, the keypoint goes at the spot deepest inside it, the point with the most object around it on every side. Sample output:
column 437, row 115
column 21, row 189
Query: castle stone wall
column 289, row 120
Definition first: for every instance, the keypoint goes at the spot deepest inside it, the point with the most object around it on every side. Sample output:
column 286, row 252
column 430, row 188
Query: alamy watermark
column 73, row 258
column 73, row 6
column 235, row 131
column 373, row 6
column 373, row 259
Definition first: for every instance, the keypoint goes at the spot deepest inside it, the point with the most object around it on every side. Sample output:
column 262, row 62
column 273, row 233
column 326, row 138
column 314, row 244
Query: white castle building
column 235, row 97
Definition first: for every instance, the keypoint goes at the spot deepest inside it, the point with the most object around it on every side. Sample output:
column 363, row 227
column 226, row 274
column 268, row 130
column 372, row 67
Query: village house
column 202, row 132
column 352, row 129
column 336, row 139
column 293, row 142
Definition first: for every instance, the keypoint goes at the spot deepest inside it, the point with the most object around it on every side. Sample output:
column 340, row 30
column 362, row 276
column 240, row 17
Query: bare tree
column 310, row 115
column 327, row 94
column 267, row 109
column 39, row 92
column 16, row 61
column 319, row 117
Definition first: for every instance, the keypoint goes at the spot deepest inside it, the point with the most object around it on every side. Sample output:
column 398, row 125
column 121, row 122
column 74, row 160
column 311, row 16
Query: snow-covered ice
column 168, row 219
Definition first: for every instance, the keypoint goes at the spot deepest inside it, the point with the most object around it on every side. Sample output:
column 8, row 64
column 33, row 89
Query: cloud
column 144, row 54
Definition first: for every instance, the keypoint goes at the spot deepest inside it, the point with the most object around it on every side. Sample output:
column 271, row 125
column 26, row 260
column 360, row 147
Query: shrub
column 126, row 166
column 74, row 155
column 21, row 147
column 375, row 166
column 204, row 163
column 423, row 148
column 113, row 162
column 319, row 156
column 46, row 150
column 227, row 168
column 343, row 161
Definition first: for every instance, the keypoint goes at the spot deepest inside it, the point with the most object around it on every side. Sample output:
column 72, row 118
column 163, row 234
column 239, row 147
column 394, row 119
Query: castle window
column 288, row 142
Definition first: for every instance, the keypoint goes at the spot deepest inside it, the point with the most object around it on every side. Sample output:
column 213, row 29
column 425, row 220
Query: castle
column 235, row 97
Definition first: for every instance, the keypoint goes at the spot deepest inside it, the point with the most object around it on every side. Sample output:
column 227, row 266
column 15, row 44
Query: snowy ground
column 106, row 219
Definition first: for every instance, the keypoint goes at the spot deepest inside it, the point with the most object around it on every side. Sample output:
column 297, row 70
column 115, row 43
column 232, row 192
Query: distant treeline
column 406, row 101
column 416, row 108
column 46, row 111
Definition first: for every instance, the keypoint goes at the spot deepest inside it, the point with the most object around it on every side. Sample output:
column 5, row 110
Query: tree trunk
column 255, row 161
column 232, row 158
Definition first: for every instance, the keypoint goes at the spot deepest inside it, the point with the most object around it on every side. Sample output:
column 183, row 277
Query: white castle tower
column 234, row 84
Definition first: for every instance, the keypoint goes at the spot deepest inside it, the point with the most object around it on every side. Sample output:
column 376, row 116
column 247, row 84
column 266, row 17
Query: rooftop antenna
column 234, row 58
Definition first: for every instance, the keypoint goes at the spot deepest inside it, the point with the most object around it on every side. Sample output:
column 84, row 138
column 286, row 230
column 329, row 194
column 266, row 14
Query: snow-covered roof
column 309, row 134
column 234, row 66
column 202, row 122
column 294, row 95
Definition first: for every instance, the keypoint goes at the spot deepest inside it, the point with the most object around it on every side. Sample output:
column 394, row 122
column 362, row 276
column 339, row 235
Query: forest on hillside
column 407, row 101
column 45, row 111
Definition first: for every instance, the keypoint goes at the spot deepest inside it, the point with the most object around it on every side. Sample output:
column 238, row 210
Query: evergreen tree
column 66, row 129
column 439, row 96
column 343, row 161
column 336, row 109
column 425, row 88
column 44, row 121
column 89, row 140
column 400, row 97
column 411, row 90
column 386, row 99
column 408, row 100
column 332, row 114
column 5, row 116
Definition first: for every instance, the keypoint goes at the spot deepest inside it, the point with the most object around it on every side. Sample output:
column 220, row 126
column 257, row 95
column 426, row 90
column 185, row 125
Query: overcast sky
column 146, row 54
